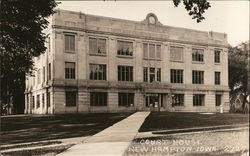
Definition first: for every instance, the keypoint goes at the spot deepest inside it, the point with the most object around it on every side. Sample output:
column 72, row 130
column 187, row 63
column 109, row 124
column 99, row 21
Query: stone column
column 167, row 104
column 112, row 101
column 83, row 100
column 210, row 101
column 139, row 101
column 225, row 102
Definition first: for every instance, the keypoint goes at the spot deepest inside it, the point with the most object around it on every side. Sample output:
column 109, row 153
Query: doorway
column 153, row 101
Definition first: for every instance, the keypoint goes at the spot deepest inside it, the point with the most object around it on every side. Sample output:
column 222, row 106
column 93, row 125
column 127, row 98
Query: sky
column 230, row 17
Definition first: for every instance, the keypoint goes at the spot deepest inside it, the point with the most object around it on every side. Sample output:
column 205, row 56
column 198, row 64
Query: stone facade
column 51, row 66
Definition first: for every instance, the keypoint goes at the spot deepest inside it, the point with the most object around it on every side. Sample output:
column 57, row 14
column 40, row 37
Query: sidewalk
column 112, row 141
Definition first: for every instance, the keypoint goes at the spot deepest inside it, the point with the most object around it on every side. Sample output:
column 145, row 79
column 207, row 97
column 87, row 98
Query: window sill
column 152, row 59
column 217, row 63
column 197, row 62
column 155, row 82
column 124, row 81
column 70, row 52
column 124, row 56
column 177, row 61
column 70, row 106
column 126, row 106
column 103, row 55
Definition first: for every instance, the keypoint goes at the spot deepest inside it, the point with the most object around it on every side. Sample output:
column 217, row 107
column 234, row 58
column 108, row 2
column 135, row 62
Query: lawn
column 40, row 151
column 158, row 121
column 224, row 143
column 20, row 129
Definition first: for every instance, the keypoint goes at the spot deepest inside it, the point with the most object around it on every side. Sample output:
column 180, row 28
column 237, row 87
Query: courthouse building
column 102, row 64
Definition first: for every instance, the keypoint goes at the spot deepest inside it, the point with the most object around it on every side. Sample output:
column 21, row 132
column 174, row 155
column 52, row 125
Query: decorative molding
column 138, row 36
column 137, row 85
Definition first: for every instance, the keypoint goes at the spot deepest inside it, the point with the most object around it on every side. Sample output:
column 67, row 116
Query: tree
column 195, row 8
column 238, row 73
column 22, row 23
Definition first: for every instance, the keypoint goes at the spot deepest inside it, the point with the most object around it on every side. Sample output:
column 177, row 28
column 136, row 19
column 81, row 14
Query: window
column 70, row 98
column 43, row 74
column 145, row 50
column 198, row 100
column 217, row 100
column 33, row 101
column 70, row 70
column 98, row 99
column 151, row 51
column 176, row 53
column 176, row 76
column 38, row 76
column 97, row 46
column 125, row 48
column 217, row 56
column 158, row 51
column 49, row 44
column 198, row 77
column 158, row 76
column 48, row 99
column 178, row 100
column 97, row 72
column 125, row 73
column 37, row 101
column 43, row 102
column 145, row 74
column 152, row 74
column 49, row 71
column 217, row 78
column 69, row 43
column 27, row 99
column 125, row 99
column 197, row 55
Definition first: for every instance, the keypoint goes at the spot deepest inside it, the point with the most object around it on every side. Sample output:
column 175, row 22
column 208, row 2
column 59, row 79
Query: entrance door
column 153, row 101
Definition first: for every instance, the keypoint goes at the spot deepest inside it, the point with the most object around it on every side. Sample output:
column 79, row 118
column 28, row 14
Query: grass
column 31, row 145
column 158, row 121
column 21, row 129
column 226, row 143
column 42, row 151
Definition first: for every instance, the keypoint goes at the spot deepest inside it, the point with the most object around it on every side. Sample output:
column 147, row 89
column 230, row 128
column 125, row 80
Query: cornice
column 136, row 36
column 136, row 85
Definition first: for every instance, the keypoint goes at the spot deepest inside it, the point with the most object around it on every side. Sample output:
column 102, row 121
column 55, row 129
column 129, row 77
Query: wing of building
column 103, row 64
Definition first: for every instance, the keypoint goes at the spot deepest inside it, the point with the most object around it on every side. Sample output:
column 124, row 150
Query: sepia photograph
column 124, row 78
